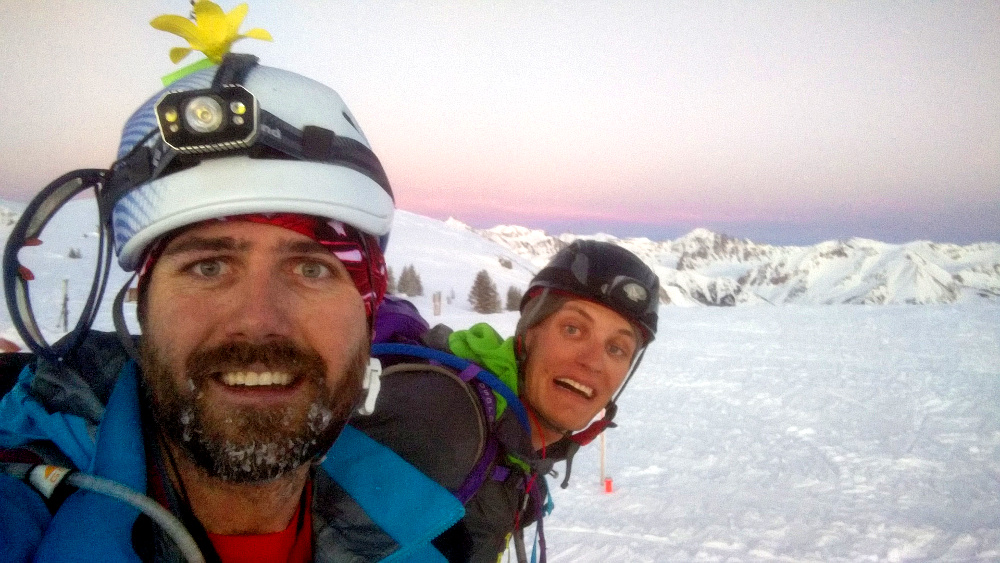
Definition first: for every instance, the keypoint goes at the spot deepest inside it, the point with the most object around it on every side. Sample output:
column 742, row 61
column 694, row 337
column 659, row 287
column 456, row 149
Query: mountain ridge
column 700, row 268
column 703, row 267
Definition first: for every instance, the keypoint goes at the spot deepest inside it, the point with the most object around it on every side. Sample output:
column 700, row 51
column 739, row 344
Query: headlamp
column 205, row 121
column 203, row 114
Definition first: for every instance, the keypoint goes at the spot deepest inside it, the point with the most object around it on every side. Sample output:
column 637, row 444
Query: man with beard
column 254, row 212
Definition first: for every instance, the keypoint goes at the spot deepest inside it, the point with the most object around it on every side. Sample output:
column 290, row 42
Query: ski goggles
column 360, row 253
column 28, row 232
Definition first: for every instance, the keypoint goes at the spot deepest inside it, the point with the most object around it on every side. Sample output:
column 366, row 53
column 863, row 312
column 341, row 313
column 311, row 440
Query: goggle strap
column 631, row 372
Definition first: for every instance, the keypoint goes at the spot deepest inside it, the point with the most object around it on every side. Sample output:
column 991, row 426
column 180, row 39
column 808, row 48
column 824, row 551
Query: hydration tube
column 46, row 479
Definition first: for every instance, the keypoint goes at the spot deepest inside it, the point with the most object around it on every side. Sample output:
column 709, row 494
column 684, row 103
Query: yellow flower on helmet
column 213, row 32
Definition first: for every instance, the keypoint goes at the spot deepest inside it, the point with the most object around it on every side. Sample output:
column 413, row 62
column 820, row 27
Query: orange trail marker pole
column 608, row 487
column 603, row 447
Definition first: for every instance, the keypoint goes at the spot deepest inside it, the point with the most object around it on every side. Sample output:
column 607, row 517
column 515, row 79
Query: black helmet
column 607, row 274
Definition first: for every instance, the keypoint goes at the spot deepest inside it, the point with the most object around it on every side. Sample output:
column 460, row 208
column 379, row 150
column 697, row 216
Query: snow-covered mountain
column 805, row 433
column 700, row 268
column 708, row 268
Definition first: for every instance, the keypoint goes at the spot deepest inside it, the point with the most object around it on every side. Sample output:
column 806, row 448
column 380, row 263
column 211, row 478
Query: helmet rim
column 219, row 185
column 594, row 276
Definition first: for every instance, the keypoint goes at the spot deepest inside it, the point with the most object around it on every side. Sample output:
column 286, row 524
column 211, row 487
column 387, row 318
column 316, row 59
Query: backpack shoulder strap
column 467, row 370
column 481, row 384
column 482, row 423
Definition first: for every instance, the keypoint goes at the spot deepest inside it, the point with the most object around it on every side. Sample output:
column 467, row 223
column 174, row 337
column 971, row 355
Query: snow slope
column 799, row 434
column 793, row 433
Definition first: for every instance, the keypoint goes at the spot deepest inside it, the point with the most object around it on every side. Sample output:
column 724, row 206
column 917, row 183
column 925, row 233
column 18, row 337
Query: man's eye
column 619, row 351
column 314, row 270
column 208, row 268
column 572, row 330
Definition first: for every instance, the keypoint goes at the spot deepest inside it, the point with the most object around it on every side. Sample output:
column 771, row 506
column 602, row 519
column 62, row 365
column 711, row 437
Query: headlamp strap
column 234, row 69
column 148, row 162
column 588, row 434
column 317, row 142
column 142, row 164
column 322, row 145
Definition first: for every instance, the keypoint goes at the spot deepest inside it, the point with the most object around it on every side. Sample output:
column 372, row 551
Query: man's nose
column 260, row 307
column 591, row 355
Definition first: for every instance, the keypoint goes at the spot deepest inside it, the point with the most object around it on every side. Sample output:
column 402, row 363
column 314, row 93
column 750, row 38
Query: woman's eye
column 314, row 270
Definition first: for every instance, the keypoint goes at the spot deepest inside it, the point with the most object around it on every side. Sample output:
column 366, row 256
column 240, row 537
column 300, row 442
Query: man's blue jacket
column 368, row 504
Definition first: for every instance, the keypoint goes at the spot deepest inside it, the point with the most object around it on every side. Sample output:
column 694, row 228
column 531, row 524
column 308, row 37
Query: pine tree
column 405, row 282
column 418, row 286
column 409, row 282
column 514, row 296
column 483, row 296
column 390, row 281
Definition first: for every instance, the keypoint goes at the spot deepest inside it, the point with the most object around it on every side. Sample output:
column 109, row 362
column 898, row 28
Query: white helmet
column 271, row 141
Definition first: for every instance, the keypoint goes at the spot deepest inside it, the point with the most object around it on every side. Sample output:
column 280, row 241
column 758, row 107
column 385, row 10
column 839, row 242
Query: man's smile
column 256, row 379
column 583, row 390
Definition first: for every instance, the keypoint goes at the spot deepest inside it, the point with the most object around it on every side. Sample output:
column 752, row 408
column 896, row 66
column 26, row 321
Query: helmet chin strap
column 371, row 384
column 121, row 328
column 587, row 435
column 631, row 372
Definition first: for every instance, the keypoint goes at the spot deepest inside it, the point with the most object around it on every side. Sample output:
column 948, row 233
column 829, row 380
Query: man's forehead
column 240, row 236
column 597, row 312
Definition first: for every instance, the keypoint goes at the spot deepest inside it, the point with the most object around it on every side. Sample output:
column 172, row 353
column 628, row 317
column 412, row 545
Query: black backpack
column 407, row 347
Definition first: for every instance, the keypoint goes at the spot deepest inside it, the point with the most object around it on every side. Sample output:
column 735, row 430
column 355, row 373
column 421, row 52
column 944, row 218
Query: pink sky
column 790, row 122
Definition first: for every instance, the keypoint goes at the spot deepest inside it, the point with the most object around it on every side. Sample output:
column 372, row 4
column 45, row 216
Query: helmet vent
column 580, row 267
column 351, row 121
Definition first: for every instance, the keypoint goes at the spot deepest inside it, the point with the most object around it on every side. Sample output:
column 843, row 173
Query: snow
column 791, row 433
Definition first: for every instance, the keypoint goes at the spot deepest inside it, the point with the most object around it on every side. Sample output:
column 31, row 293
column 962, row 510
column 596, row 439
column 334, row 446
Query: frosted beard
column 248, row 444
